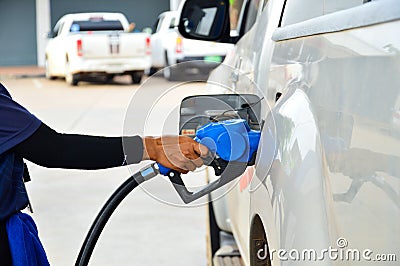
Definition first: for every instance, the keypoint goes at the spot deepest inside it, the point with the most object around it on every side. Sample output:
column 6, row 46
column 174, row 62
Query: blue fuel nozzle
column 231, row 140
column 233, row 146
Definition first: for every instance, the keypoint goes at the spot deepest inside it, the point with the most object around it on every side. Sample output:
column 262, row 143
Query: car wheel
column 47, row 69
column 71, row 79
column 152, row 71
column 258, row 244
column 137, row 77
column 171, row 72
column 109, row 78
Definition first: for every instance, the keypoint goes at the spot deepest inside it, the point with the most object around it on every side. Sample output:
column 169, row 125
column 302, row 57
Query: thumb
column 200, row 149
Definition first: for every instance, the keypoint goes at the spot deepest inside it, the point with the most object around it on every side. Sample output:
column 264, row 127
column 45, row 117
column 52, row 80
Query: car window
column 95, row 25
column 159, row 23
column 243, row 14
column 297, row 11
column 172, row 23
column 334, row 6
column 250, row 15
column 57, row 29
column 154, row 26
column 61, row 28
column 235, row 7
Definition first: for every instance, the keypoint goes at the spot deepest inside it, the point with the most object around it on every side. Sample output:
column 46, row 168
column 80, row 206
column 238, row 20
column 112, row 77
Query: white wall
column 174, row 4
column 42, row 28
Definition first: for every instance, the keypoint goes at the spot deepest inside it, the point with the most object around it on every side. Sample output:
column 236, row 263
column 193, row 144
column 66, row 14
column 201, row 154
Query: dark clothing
column 22, row 135
column 5, row 254
column 16, row 123
column 13, row 195
column 50, row 149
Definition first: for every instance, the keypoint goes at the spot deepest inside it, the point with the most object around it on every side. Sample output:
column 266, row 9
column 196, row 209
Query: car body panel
column 345, row 182
column 164, row 44
column 335, row 154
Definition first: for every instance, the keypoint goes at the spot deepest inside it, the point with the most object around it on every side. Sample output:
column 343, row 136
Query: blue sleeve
column 16, row 123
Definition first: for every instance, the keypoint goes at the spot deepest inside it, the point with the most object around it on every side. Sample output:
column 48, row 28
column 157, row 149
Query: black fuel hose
column 108, row 209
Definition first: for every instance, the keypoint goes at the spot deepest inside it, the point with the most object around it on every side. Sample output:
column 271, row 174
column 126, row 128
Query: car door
column 157, row 54
column 248, row 46
column 156, row 42
column 241, row 80
column 336, row 177
column 55, row 50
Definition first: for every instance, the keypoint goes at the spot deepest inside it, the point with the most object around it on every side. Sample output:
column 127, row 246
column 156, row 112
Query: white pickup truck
column 93, row 44
column 169, row 48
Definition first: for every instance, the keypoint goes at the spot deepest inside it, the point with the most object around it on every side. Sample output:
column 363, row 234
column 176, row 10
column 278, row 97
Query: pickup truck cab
column 325, row 189
column 93, row 44
column 169, row 48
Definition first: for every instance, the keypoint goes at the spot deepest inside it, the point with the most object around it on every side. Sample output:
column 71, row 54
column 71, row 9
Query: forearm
column 50, row 149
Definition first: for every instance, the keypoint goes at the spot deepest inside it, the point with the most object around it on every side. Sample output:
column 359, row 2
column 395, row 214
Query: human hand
column 179, row 153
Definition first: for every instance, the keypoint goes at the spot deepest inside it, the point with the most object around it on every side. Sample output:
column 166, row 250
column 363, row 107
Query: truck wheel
column 109, row 78
column 171, row 73
column 137, row 77
column 48, row 72
column 152, row 71
column 71, row 79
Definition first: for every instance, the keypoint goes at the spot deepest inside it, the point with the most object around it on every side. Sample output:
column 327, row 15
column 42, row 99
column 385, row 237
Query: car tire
column 47, row 70
column 152, row 71
column 171, row 72
column 136, row 77
column 71, row 79
column 109, row 78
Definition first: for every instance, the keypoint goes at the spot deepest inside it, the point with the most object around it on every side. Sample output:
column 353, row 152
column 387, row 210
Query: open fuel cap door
column 197, row 111
column 229, row 124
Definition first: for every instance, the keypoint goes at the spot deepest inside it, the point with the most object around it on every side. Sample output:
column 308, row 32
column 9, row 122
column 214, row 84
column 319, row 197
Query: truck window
column 57, row 29
column 61, row 28
column 96, row 25
column 297, row 11
column 235, row 7
column 172, row 23
column 243, row 14
column 159, row 23
column 250, row 15
column 155, row 24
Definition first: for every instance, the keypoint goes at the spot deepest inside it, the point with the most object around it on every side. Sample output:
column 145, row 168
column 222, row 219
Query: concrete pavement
column 21, row 72
column 144, row 230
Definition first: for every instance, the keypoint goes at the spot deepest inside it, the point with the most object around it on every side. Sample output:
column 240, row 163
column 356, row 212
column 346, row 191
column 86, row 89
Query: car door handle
column 234, row 76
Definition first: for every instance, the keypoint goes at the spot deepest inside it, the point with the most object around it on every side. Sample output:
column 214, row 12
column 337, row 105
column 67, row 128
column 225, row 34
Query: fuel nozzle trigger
column 232, row 145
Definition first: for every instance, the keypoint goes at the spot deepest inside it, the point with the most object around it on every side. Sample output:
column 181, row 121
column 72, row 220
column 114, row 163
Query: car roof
column 169, row 13
column 84, row 16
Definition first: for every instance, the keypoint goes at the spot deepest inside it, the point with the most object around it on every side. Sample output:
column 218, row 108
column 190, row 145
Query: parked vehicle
column 168, row 48
column 329, row 177
column 93, row 44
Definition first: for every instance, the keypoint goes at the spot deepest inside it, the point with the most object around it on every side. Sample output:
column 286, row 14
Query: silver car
column 325, row 189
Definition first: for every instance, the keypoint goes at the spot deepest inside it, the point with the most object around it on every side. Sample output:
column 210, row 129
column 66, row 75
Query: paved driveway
column 144, row 230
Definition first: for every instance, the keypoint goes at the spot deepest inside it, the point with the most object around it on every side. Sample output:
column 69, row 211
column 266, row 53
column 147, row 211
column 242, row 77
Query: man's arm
column 48, row 148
